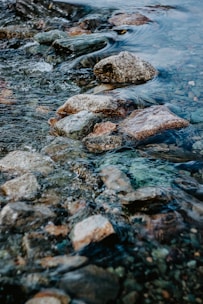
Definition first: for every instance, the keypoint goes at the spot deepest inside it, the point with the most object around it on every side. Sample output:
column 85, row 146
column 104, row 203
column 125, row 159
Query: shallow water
column 37, row 86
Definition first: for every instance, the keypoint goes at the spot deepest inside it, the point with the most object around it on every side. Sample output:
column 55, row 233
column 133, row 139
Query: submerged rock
column 128, row 19
column 92, row 229
column 25, row 186
column 67, row 263
column 89, row 102
column 50, row 296
column 24, row 162
column 101, row 143
column 92, row 284
column 50, row 36
column 124, row 68
column 76, row 126
column 15, row 31
column 142, row 124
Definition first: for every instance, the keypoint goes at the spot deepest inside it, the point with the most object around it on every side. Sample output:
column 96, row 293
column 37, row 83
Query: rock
column 44, row 300
column 116, row 180
column 128, row 19
column 46, row 294
column 76, row 126
column 93, row 229
column 15, row 31
column 25, row 186
column 24, row 162
column 102, row 128
column 142, row 124
column 89, row 102
column 92, row 22
column 68, row 262
column 101, row 143
column 124, row 68
column 50, row 36
column 91, row 284
column 151, row 196
column 56, row 230
column 18, row 215
column 77, row 30
column 81, row 45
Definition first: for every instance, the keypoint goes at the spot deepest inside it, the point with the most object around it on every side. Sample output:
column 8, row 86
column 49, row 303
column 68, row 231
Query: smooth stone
column 24, row 162
column 44, row 300
column 124, row 68
column 196, row 116
column 93, row 103
column 23, row 187
column 142, row 124
column 92, row 229
column 92, row 284
column 101, row 143
column 128, row 19
column 69, row 262
column 50, row 36
column 77, row 126
column 81, row 45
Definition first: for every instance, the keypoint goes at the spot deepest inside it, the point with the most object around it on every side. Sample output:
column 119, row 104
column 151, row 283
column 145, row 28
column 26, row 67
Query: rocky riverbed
column 101, row 153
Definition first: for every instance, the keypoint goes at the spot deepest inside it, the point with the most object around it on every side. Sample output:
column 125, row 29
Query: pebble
column 128, row 19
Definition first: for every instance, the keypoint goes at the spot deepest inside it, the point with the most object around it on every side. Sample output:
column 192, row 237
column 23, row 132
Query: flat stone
column 128, row 19
column 92, row 229
column 23, row 187
column 142, row 124
column 24, row 162
column 92, row 284
column 89, row 102
column 81, row 45
column 124, row 68
column 76, row 126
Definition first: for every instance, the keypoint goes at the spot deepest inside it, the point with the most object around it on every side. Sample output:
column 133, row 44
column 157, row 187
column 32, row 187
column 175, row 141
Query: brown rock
column 70, row 262
column 104, row 128
column 100, row 143
column 129, row 19
column 77, row 30
column 142, row 124
column 44, row 300
column 124, row 68
column 57, row 230
column 52, row 293
column 89, row 102
column 93, row 229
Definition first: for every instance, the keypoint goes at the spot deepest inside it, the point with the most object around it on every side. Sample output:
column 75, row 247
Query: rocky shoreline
column 95, row 214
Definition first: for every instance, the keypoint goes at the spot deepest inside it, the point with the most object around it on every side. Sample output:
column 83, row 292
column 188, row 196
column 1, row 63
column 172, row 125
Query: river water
column 33, row 87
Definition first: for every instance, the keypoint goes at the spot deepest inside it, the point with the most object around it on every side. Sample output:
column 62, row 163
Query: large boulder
column 124, row 68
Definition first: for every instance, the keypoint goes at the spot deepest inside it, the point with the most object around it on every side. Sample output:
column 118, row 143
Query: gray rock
column 50, row 36
column 89, row 102
column 124, row 68
column 80, row 45
column 25, row 186
column 142, row 124
column 76, row 126
column 18, row 215
column 91, row 284
column 92, row 229
column 24, row 162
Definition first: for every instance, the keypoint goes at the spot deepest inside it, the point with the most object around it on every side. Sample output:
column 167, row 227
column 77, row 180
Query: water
column 34, row 83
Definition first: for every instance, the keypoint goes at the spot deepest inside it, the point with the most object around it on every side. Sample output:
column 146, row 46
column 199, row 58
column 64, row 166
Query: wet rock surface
column 101, row 175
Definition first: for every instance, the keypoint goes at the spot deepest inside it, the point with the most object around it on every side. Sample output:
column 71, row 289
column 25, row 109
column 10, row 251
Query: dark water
column 172, row 43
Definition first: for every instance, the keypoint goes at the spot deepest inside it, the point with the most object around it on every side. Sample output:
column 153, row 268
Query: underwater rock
column 89, row 102
column 128, row 19
column 142, row 124
column 101, row 143
column 16, row 31
column 44, row 300
column 25, row 161
column 92, row 229
column 23, row 187
column 66, row 263
column 49, row 296
column 76, row 126
column 92, row 284
column 18, row 215
column 50, row 36
column 124, row 68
